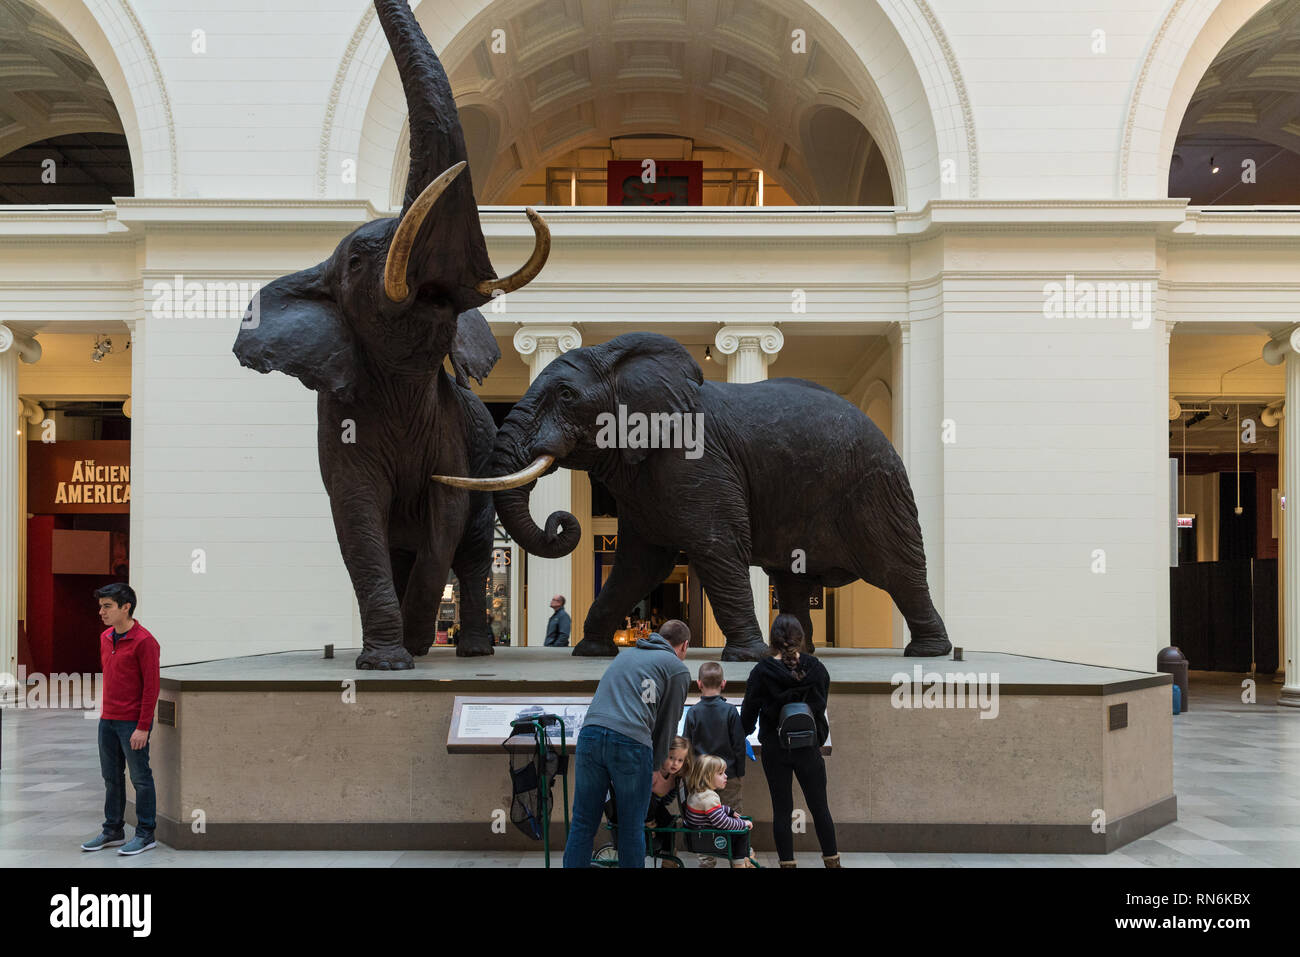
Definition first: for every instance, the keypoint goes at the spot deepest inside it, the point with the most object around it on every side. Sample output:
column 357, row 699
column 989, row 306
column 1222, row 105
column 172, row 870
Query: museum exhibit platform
column 294, row 751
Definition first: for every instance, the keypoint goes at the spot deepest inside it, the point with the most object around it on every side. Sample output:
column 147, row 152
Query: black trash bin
column 1171, row 661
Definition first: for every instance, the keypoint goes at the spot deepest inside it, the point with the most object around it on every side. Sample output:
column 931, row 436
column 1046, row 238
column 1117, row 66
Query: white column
column 749, row 351
column 1286, row 348
column 538, row 345
column 13, row 346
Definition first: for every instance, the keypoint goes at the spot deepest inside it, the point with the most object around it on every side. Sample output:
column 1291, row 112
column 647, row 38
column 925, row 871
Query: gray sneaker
column 101, row 841
column 141, row 842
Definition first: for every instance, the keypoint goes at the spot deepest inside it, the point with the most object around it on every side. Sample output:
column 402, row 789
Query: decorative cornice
column 166, row 101
column 336, row 90
column 967, row 116
column 1139, row 85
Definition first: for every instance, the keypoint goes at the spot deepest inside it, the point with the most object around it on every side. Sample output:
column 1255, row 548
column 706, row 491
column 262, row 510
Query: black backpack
column 797, row 726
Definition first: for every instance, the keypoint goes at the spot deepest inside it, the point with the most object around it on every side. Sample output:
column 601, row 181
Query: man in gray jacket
column 626, row 734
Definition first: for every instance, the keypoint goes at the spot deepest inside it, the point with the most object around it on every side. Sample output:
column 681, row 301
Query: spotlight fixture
column 708, row 353
column 103, row 346
column 1214, row 167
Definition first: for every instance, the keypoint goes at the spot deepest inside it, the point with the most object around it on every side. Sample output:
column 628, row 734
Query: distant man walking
column 557, row 629
column 129, row 658
column 626, row 734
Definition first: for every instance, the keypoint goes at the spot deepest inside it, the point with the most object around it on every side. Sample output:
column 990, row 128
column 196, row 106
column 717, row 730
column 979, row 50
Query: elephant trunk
column 562, row 532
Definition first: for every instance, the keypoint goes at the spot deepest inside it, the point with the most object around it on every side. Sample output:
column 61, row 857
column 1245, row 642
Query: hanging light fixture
column 1214, row 167
column 1237, row 510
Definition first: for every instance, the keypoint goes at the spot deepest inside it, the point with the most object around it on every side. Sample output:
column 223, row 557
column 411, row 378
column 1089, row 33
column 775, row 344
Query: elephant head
column 400, row 293
column 563, row 419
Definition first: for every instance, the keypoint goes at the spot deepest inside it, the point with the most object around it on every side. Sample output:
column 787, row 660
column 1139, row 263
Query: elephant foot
column 418, row 648
column 745, row 651
column 385, row 658
column 474, row 647
column 927, row 648
column 595, row 648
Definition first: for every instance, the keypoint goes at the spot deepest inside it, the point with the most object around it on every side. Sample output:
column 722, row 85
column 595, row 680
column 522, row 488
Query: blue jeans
column 115, row 757
column 609, row 761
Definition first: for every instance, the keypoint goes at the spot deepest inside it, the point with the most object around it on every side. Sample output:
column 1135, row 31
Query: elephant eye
column 354, row 261
column 567, row 394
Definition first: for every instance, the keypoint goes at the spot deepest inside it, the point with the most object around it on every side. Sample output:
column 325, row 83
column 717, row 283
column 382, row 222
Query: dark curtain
column 1236, row 532
column 1212, row 611
column 1266, row 615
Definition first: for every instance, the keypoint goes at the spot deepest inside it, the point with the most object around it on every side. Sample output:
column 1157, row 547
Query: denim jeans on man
column 115, row 757
column 609, row 762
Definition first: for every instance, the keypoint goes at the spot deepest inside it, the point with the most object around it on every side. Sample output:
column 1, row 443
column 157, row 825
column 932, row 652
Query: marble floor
column 1236, row 775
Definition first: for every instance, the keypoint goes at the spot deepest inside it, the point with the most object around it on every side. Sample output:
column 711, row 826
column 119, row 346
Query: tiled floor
column 1236, row 774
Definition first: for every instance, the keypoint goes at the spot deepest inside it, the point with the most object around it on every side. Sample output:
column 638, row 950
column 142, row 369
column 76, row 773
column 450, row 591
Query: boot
column 832, row 861
column 744, row 862
column 785, row 864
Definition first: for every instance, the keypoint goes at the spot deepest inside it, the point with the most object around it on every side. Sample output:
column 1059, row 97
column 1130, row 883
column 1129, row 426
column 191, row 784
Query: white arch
column 1189, row 38
column 115, row 42
column 924, row 114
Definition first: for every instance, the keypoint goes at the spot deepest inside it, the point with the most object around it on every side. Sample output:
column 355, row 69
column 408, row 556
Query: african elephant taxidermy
column 782, row 474
column 368, row 330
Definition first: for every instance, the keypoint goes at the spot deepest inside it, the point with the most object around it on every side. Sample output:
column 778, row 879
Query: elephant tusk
column 528, row 272
column 399, row 251
column 500, row 483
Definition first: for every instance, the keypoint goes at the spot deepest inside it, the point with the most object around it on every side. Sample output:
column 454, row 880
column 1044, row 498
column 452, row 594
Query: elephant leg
column 473, row 565
column 402, row 561
column 911, row 594
column 726, row 581
column 792, row 596
column 360, row 523
column 426, row 579
column 638, row 567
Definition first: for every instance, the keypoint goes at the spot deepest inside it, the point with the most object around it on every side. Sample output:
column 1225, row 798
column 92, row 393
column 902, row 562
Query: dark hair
column 676, row 632
column 787, row 640
column 119, row 592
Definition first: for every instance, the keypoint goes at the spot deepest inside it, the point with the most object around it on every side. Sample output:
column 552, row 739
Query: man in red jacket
column 129, row 694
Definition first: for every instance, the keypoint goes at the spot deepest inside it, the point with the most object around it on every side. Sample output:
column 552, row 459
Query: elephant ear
column 294, row 326
column 651, row 373
column 474, row 352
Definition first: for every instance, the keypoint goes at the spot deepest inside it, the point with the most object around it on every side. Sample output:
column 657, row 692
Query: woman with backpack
column 785, row 695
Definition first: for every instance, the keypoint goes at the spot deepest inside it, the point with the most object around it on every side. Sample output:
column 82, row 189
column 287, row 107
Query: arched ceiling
column 1252, row 88
column 48, row 86
column 577, row 72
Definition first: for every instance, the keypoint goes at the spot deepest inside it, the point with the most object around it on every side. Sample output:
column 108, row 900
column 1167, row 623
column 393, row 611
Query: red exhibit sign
column 672, row 183
column 81, row 477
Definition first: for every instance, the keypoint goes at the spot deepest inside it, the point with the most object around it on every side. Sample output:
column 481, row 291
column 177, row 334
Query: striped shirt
column 705, row 809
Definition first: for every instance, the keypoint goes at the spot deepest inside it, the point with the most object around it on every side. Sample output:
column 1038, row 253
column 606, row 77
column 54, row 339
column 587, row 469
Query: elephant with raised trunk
column 368, row 330
column 782, row 474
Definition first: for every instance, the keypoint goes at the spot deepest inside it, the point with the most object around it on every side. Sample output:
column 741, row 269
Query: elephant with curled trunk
column 368, row 330
column 782, row 474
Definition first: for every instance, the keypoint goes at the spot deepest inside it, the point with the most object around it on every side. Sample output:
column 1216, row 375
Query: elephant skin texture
column 368, row 330
column 786, row 475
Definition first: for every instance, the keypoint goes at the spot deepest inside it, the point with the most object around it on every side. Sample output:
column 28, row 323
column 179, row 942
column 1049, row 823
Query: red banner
column 81, row 477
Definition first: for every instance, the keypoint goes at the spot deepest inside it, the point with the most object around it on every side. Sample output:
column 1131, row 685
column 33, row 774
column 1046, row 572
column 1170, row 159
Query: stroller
column 537, row 757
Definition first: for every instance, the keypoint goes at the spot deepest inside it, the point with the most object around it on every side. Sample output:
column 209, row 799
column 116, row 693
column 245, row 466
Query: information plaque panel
column 479, row 723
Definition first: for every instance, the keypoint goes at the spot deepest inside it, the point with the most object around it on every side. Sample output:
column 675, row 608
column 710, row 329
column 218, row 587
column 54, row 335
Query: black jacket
column 771, row 686
column 713, row 727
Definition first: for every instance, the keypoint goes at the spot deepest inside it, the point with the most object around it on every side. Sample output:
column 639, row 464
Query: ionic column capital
column 26, row 347
column 1282, row 346
column 529, row 338
column 767, row 339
